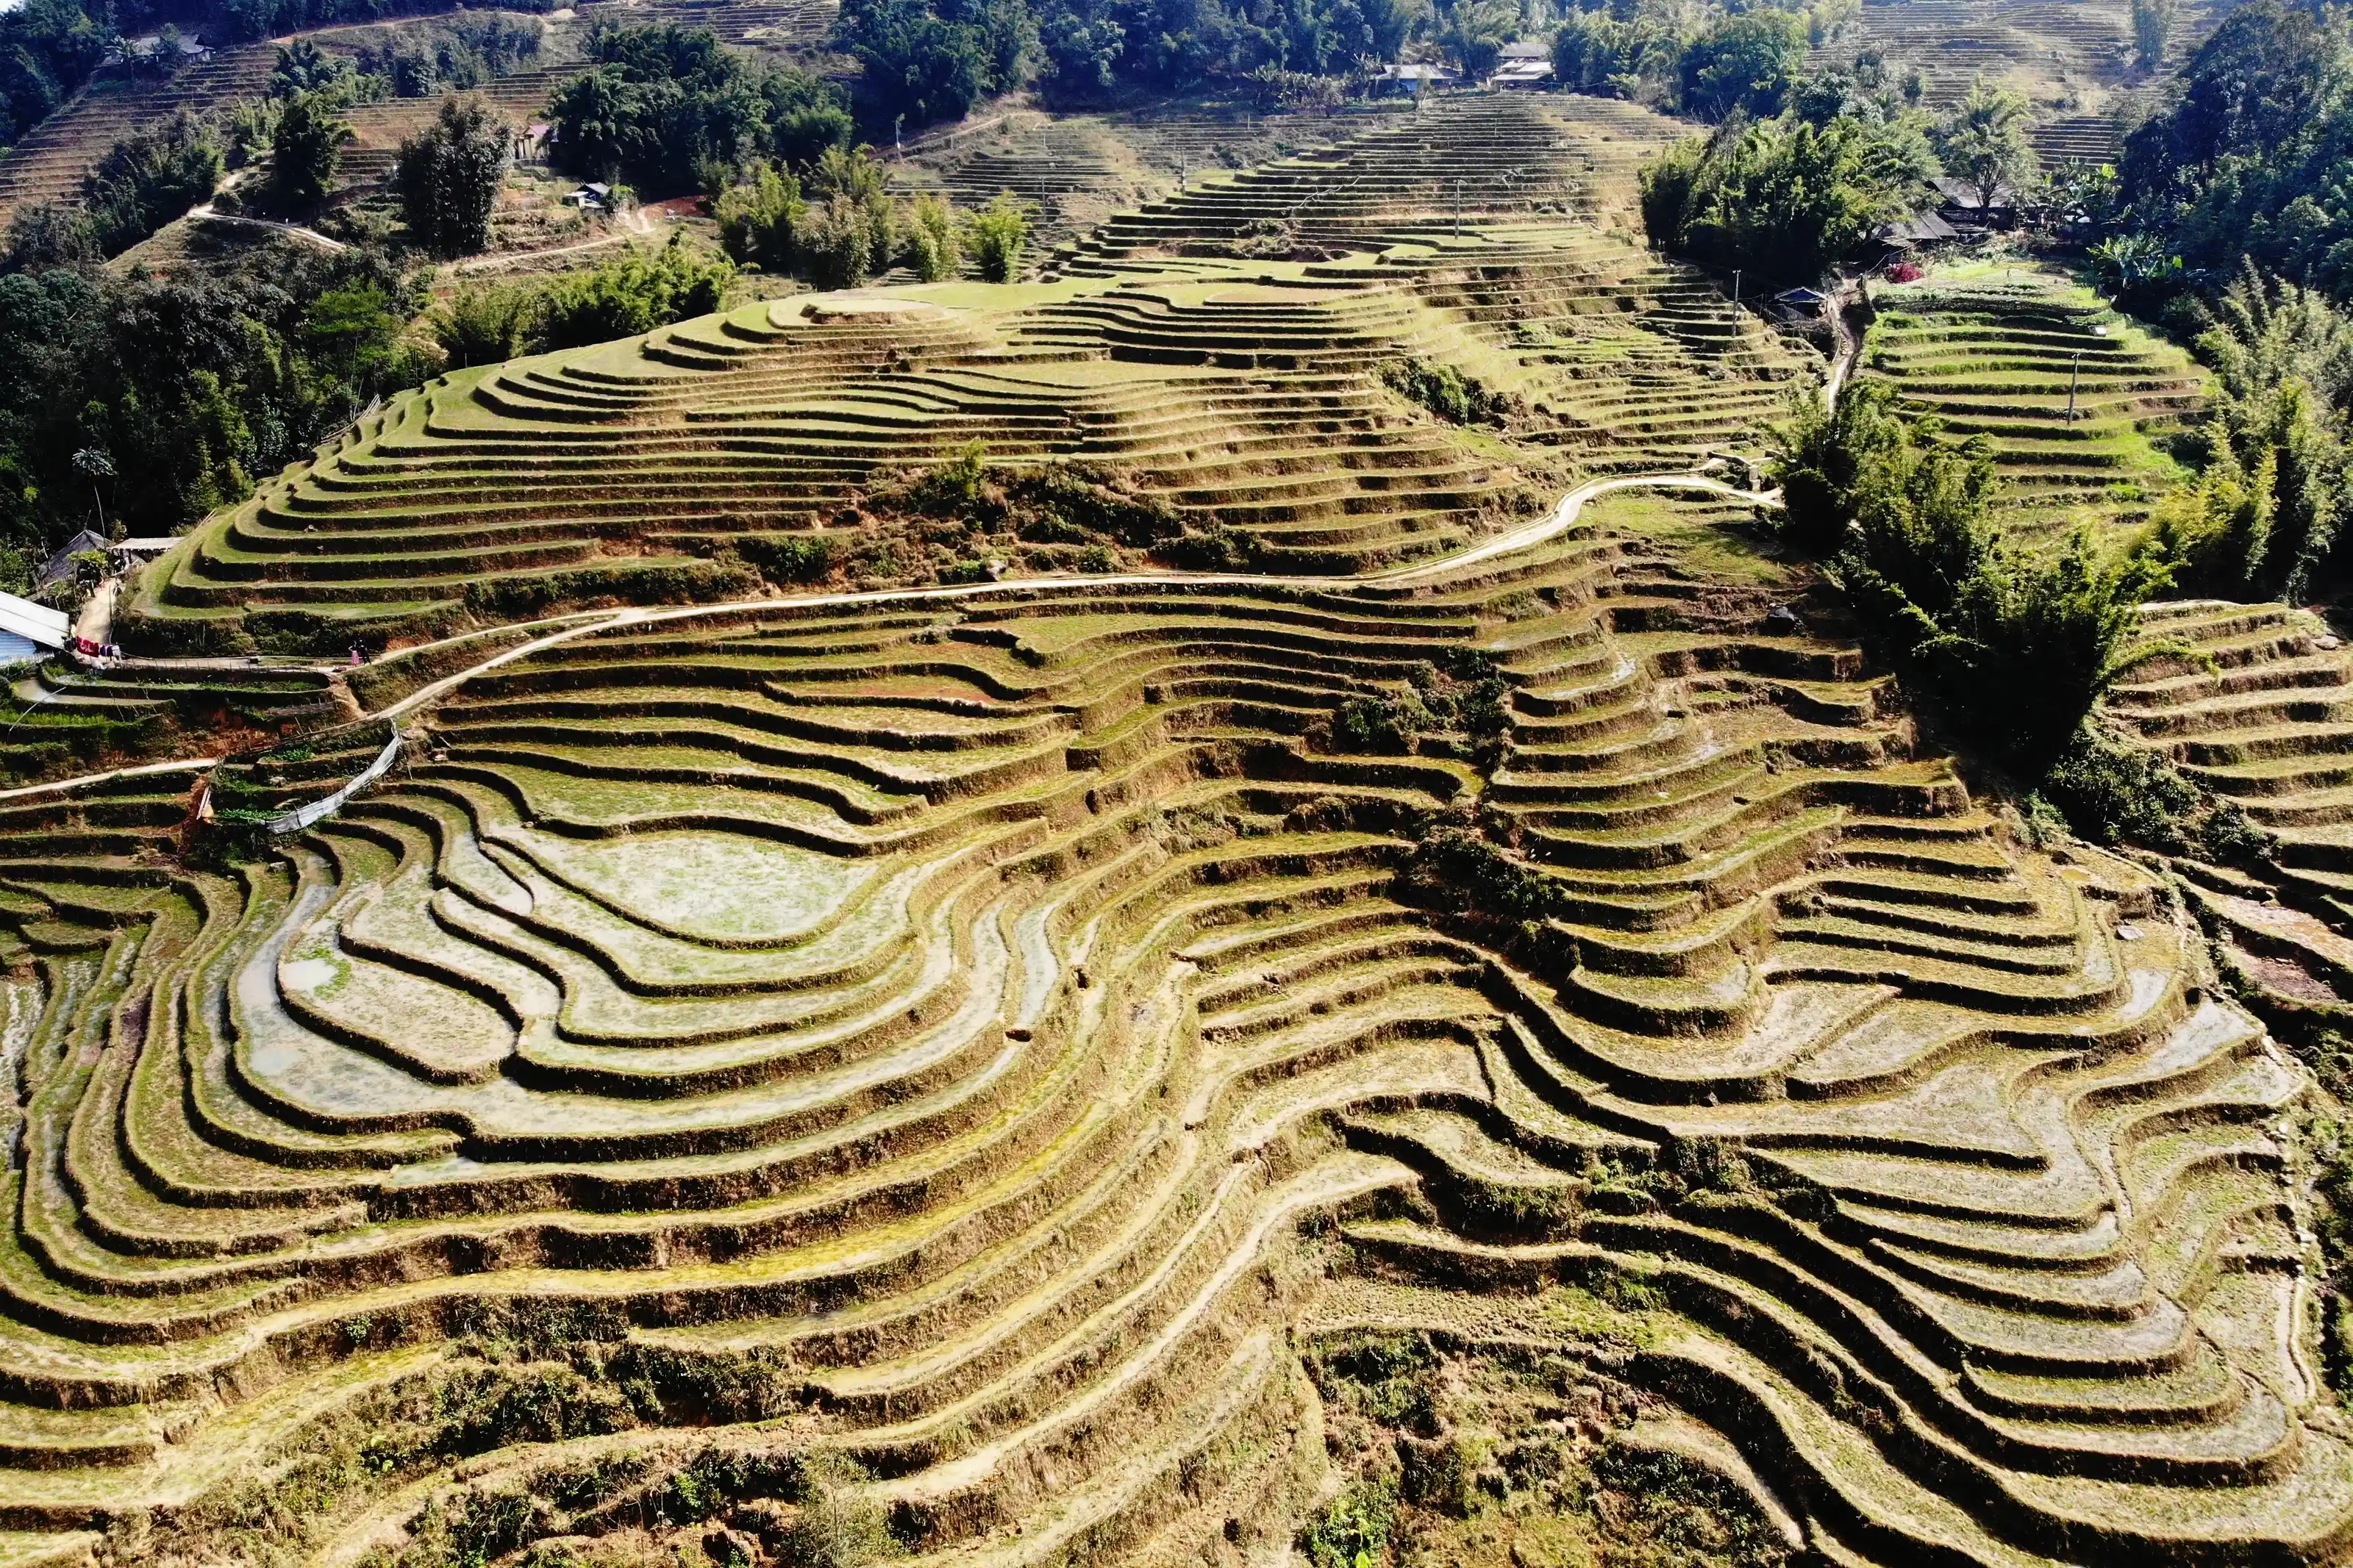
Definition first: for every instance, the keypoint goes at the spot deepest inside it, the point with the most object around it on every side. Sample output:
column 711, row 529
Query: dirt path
column 296, row 230
column 637, row 223
column 566, row 629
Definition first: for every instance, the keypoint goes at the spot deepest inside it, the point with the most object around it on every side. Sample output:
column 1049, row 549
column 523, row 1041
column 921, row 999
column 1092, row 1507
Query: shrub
column 1218, row 549
column 758, row 222
column 2014, row 648
column 788, row 558
column 1457, row 398
column 1383, row 725
column 486, row 324
column 837, row 1525
column 1453, row 868
column 1354, row 1530
column 934, row 248
column 996, row 235
column 634, row 294
column 2114, row 794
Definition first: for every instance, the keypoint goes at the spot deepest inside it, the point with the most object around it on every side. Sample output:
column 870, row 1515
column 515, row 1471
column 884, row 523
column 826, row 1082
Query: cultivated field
column 1244, row 393
column 1023, row 1071
column 2075, row 397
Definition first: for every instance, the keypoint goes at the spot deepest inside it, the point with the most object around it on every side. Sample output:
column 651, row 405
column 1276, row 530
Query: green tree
column 935, row 246
column 1080, row 53
column 664, row 105
column 1984, row 142
column 913, row 62
column 149, row 178
column 305, row 151
column 486, row 325
column 759, row 220
column 996, row 235
column 1784, row 198
column 42, row 234
column 303, row 67
column 1475, row 32
column 449, row 175
column 2153, row 23
column 1744, row 63
column 2263, row 517
column 635, row 294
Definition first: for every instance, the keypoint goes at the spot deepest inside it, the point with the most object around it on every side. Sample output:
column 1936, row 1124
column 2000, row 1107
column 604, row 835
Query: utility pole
column 1735, row 288
column 2075, row 374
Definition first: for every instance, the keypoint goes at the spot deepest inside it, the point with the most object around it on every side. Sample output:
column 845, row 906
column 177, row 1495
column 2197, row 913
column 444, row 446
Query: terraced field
column 2006, row 352
column 2045, row 47
column 2259, row 717
column 939, row 1021
column 1245, row 393
column 963, row 1069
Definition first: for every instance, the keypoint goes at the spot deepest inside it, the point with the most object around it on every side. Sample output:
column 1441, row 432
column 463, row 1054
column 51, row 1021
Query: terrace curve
column 963, row 1006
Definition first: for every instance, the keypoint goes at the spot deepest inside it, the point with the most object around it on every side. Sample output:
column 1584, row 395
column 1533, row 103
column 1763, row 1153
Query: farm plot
column 927, row 1025
column 2074, row 398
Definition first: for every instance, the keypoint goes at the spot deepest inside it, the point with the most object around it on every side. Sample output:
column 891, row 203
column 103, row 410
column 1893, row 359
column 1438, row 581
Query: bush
column 996, row 235
column 635, row 294
column 1381, row 725
column 837, row 1526
column 1354, row 1530
column 1453, row 868
column 2014, row 648
column 934, row 248
column 2114, row 794
column 487, row 324
column 788, row 558
column 1457, row 398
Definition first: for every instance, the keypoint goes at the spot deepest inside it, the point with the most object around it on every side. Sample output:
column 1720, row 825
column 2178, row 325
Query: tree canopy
column 448, row 178
column 669, row 108
column 1784, row 198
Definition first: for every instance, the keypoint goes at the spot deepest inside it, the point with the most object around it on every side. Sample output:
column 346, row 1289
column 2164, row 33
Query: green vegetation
column 305, row 151
column 1786, row 197
column 669, row 107
column 2249, row 163
column 996, row 235
column 923, row 60
column 1983, row 142
column 449, row 175
column 2262, row 519
column 2014, row 646
column 1708, row 63
column 1354, row 1529
column 846, row 228
column 149, row 179
column 635, row 293
column 459, row 51
column 1457, row 398
column 190, row 386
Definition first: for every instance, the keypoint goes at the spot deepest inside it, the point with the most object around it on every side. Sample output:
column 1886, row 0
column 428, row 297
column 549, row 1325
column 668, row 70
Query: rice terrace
column 1383, row 784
